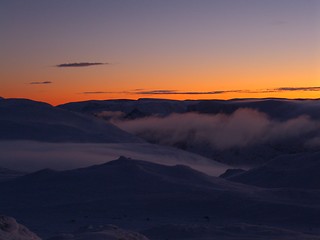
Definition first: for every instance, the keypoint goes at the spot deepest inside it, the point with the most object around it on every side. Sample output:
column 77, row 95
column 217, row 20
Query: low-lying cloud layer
column 245, row 127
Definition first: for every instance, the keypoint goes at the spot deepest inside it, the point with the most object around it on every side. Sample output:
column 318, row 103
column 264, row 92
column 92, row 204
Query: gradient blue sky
column 256, row 46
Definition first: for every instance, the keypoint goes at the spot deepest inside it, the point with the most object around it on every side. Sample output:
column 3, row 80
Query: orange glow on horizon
column 238, row 50
column 60, row 98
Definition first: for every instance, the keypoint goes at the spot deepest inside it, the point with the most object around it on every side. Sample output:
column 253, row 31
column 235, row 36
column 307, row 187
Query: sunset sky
column 61, row 50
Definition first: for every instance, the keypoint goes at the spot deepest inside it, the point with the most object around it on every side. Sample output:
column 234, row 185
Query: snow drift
column 107, row 232
column 30, row 156
column 11, row 230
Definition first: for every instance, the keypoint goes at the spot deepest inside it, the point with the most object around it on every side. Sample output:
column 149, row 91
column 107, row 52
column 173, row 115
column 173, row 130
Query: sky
column 62, row 50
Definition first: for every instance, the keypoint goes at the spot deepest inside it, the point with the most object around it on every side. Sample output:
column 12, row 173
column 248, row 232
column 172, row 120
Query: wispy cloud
column 80, row 64
column 97, row 92
column 287, row 89
column 166, row 92
column 38, row 83
column 215, row 92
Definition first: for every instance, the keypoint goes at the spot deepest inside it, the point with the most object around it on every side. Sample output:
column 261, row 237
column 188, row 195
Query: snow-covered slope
column 11, row 230
column 107, row 232
column 32, row 156
column 133, row 177
column 29, row 120
column 290, row 171
column 136, row 194
column 230, row 231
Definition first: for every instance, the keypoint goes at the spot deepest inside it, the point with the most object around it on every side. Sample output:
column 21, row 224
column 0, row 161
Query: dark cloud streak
column 298, row 89
column 97, row 92
column 217, row 92
column 274, row 90
column 80, row 64
column 174, row 92
column 39, row 83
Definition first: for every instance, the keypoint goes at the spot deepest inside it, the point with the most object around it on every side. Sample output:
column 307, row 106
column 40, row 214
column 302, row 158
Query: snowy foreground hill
column 162, row 202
